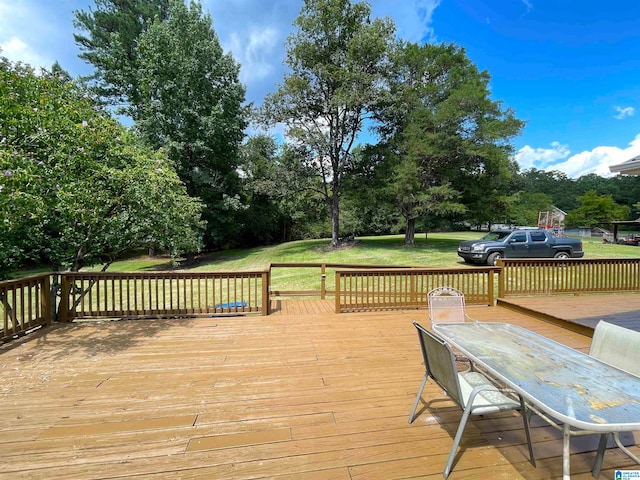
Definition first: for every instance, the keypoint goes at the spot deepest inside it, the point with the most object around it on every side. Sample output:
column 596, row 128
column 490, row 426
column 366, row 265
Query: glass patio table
column 569, row 389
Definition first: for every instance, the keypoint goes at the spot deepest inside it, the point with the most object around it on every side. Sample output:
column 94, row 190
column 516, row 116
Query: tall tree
column 108, row 38
column 77, row 187
column 164, row 60
column 191, row 102
column 337, row 59
column 443, row 132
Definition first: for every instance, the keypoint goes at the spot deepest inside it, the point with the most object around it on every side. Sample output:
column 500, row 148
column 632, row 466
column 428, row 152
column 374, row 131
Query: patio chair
column 617, row 346
column 472, row 391
column 620, row 347
column 446, row 305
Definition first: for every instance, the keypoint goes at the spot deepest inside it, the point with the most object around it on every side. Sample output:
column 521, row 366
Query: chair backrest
column 617, row 346
column 446, row 305
column 440, row 363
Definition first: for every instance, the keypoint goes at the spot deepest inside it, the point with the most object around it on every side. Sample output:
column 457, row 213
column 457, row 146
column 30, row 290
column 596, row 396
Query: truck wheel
column 561, row 255
column 493, row 259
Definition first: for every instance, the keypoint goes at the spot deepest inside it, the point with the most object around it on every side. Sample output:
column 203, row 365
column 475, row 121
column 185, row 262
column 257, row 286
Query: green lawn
column 438, row 251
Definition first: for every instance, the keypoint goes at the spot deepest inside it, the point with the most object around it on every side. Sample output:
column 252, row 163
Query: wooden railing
column 376, row 289
column 105, row 295
column 28, row 303
column 575, row 276
column 326, row 276
column 25, row 305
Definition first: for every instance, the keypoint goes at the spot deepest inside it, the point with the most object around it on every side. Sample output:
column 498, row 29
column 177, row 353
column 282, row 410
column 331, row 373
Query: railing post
column 501, row 279
column 491, row 288
column 64, row 298
column 413, row 300
column 266, row 288
column 54, row 305
column 337, row 292
column 45, row 300
column 323, row 281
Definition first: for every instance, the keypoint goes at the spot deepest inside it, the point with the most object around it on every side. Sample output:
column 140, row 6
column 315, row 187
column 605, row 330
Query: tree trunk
column 335, row 218
column 410, row 233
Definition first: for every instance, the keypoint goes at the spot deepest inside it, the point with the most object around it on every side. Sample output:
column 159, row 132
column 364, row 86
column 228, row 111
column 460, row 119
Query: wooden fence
column 86, row 295
column 572, row 276
column 31, row 302
column 25, row 305
column 378, row 289
column 307, row 287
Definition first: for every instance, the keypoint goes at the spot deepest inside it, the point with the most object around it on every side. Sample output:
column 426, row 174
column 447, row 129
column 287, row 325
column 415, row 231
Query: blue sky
column 569, row 68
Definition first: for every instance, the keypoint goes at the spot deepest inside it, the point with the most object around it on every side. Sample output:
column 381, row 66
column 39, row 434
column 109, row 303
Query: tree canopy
column 596, row 210
column 448, row 140
column 108, row 37
column 76, row 186
column 337, row 59
column 162, row 58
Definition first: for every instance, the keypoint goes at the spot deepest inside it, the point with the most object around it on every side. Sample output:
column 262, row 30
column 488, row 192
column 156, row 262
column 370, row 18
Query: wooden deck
column 582, row 312
column 304, row 394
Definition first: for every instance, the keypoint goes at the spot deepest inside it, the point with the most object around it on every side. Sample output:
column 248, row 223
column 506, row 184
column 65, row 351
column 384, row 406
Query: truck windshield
column 495, row 235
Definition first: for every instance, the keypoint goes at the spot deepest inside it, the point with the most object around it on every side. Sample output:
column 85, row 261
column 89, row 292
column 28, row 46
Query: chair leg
column 527, row 429
column 418, row 397
column 602, row 446
column 456, row 441
column 631, row 455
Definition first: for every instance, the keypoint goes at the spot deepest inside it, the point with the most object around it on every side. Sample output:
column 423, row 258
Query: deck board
column 583, row 311
column 301, row 394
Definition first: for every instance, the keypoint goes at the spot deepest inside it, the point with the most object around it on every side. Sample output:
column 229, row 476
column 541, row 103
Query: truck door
column 539, row 246
column 517, row 246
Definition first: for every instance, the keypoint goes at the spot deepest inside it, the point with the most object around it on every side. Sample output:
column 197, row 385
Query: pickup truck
column 518, row 243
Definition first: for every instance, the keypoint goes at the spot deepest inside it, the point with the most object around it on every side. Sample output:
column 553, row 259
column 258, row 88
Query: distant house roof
column 630, row 167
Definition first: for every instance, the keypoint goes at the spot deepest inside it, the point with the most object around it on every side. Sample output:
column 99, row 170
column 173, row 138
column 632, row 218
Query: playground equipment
column 551, row 221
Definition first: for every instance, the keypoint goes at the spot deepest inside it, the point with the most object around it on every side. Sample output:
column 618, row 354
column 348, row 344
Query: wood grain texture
column 302, row 394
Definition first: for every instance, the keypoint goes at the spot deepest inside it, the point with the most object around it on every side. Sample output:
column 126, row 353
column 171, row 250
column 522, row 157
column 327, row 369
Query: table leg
column 602, row 445
column 566, row 453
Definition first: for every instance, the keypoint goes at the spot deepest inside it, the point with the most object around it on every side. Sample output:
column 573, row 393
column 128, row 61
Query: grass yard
column 440, row 250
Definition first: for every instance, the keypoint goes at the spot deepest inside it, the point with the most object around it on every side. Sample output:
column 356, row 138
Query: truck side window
column 538, row 237
column 519, row 238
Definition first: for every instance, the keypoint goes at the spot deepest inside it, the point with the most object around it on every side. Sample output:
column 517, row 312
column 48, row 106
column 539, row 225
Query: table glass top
column 563, row 382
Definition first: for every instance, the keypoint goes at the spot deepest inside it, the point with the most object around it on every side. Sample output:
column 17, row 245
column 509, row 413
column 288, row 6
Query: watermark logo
column 627, row 475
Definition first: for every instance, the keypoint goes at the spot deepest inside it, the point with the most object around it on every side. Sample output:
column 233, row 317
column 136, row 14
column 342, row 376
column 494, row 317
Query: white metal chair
column 473, row 392
column 446, row 305
column 620, row 347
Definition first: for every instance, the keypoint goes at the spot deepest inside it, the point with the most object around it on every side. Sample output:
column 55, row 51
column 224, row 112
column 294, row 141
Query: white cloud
column 540, row 158
column 595, row 161
column 413, row 19
column 17, row 50
column 624, row 112
column 255, row 32
column 27, row 33
column 253, row 49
